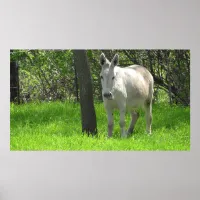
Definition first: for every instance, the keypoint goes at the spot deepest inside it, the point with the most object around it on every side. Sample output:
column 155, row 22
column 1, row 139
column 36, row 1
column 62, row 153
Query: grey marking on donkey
column 126, row 89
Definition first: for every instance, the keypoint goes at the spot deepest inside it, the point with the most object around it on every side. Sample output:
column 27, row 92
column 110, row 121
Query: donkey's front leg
column 122, row 122
column 110, row 122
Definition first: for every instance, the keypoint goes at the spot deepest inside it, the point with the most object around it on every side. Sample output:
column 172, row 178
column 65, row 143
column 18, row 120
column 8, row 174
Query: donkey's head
column 108, row 75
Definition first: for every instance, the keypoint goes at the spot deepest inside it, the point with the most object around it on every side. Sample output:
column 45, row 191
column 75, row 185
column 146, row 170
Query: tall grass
column 57, row 126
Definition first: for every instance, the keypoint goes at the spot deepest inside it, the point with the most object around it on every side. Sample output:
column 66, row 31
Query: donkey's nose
column 107, row 94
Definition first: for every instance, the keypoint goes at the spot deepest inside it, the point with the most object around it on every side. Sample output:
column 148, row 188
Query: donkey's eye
column 101, row 77
column 113, row 77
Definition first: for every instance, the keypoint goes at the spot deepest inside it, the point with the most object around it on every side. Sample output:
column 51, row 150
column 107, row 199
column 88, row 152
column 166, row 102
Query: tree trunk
column 76, row 84
column 14, row 82
column 88, row 115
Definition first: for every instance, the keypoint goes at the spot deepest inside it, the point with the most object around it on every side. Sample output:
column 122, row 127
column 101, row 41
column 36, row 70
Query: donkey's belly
column 134, row 103
column 130, row 104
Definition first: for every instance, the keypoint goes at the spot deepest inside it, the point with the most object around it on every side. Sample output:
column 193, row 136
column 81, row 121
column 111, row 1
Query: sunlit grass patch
column 57, row 126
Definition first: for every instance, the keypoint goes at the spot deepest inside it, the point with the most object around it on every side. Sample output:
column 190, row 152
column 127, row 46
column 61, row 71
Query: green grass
column 57, row 126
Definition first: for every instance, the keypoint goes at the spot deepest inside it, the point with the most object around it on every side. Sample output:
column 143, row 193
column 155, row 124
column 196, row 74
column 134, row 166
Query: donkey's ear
column 115, row 60
column 102, row 59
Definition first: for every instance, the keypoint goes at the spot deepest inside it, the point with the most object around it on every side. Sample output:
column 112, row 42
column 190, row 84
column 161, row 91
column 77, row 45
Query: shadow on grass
column 43, row 113
column 170, row 118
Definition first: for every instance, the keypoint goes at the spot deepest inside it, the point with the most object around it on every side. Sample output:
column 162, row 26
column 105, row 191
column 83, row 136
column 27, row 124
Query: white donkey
column 126, row 89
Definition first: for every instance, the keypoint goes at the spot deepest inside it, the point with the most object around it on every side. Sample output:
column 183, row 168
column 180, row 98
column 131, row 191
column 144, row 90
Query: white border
column 97, row 24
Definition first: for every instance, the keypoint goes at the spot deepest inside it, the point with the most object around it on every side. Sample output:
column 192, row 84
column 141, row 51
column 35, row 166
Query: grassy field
column 57, row 126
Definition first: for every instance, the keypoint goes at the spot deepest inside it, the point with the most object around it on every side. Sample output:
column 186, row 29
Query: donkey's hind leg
column 148, row 114
column 134, row 117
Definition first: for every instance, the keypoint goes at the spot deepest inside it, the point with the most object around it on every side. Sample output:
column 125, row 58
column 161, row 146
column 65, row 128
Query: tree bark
column 14, row 82
column 76, row 84
column 88, row 115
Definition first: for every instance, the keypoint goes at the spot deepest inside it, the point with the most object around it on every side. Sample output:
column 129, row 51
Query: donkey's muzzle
column 107, row 95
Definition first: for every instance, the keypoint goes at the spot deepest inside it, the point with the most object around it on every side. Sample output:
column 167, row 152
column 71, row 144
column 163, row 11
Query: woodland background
column 48, row 75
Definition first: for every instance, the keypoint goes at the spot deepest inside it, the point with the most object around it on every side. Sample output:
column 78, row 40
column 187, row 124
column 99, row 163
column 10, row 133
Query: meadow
column 56, row 126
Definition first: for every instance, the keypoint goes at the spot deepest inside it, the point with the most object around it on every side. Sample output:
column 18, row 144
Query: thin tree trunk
column 14, row 82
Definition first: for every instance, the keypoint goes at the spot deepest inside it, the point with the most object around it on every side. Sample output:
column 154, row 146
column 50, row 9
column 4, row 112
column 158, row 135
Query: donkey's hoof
column 149, row 133
column 130, row 132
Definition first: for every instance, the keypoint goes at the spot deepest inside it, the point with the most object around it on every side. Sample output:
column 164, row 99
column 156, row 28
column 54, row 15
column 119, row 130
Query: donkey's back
column 139, row 85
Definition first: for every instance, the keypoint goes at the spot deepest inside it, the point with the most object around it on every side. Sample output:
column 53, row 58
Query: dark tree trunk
column 14, row 82
column 76, row 84
column 88, row 115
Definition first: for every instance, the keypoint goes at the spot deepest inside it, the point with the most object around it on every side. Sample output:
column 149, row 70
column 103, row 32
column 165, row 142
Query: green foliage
column 50, row 74
column 45, row 74
column 57, row 126
column 170, row 69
